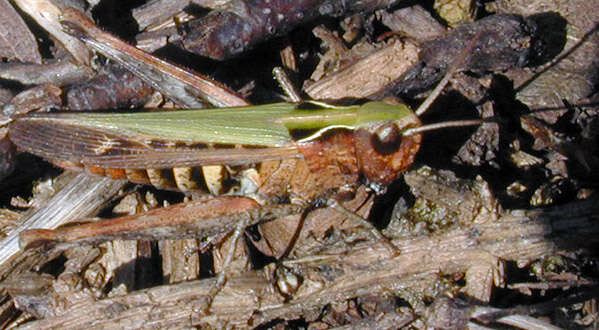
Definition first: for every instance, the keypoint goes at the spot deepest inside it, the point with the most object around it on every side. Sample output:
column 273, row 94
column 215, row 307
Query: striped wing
column 159, row 139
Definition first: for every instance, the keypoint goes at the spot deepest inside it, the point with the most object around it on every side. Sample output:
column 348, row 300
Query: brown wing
column 100, row 148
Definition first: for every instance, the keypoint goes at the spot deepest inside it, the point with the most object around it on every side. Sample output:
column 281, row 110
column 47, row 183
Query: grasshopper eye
column 387, row 133
column 387, row 138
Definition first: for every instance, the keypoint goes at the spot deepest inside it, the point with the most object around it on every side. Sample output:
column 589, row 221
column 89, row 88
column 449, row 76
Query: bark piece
column 180, row 261
column 242, row 24
column 58, row 73
column 501, row 42
column 367, row 75
column 115, row 88
column 414, row 21
column 16, row 41
column 48, row 15
column 40, row 97
column 157, row 11
column 181, row 85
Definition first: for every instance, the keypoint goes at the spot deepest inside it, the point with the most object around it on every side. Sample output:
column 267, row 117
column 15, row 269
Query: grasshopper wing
column 158, row 139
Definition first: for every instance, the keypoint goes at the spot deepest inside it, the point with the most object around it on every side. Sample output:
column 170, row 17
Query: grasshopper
column 345, row 143
column 328, row 147
column 355, row 140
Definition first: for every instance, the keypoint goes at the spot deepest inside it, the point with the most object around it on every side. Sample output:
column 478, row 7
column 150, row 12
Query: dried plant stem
column 80, row 197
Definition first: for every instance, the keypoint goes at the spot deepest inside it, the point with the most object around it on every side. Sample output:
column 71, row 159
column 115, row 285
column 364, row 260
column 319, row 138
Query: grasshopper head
column 382, row 150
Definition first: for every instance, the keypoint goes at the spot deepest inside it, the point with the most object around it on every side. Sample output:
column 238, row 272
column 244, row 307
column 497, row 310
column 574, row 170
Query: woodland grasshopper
column 348, row 142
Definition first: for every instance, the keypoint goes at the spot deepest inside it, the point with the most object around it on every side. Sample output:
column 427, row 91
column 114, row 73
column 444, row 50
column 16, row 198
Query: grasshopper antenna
column 438, row 90
column 445, row 124
column 461, row 60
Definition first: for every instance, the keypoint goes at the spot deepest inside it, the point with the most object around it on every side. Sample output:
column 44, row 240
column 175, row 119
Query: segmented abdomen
column 205, row 179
